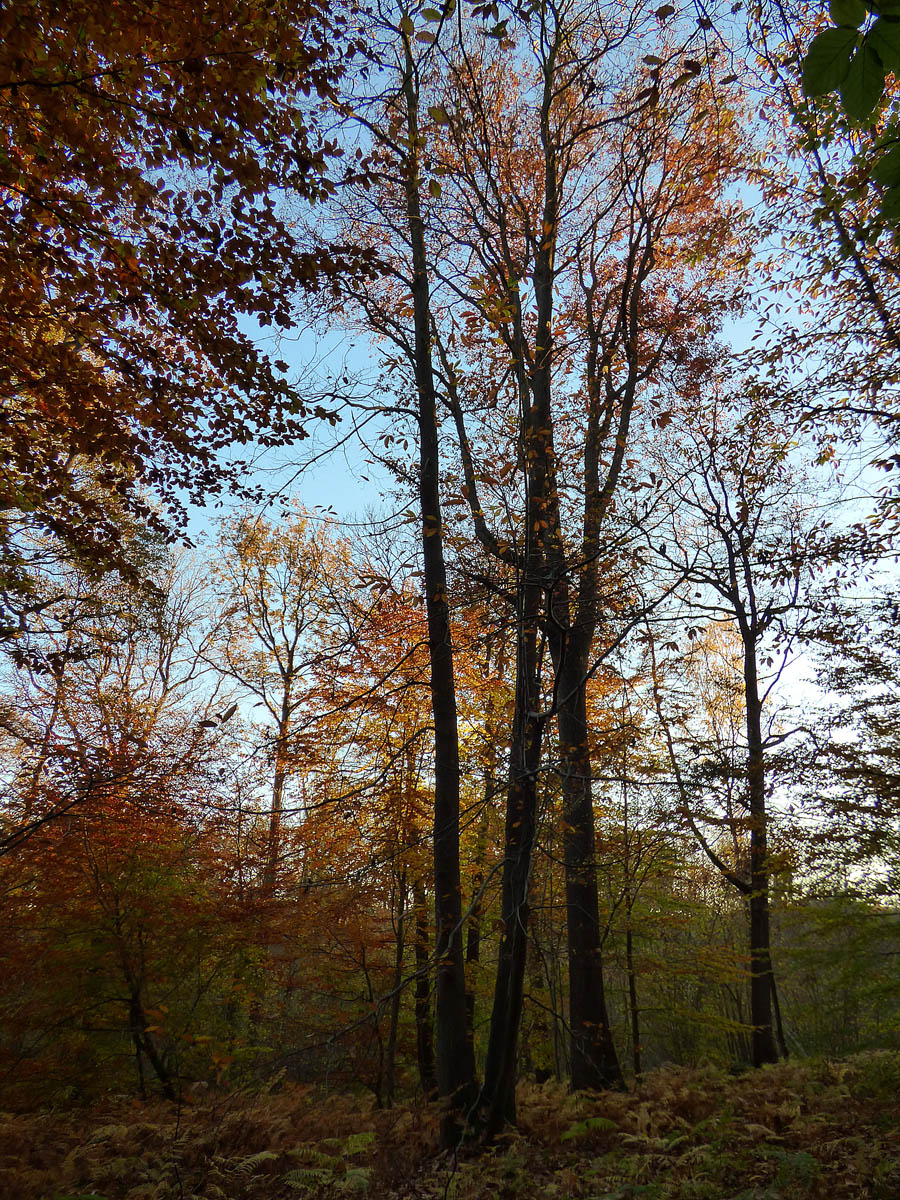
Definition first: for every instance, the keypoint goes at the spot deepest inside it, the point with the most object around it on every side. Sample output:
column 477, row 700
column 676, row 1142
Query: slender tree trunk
column 273, row 842
column 476, row 911
column 594, row 1063
column 424, row 1030
column 498, row 1095
column 779, row 1027
column 144, row 1046
column 761, row 978
column 454, row 1058
column 632, row 994
column 396, row 989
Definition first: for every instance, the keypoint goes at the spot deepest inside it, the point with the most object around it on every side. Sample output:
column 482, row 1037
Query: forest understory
column 816, row 1128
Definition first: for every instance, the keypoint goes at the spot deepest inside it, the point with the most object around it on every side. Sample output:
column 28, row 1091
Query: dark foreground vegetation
column 817, row 1128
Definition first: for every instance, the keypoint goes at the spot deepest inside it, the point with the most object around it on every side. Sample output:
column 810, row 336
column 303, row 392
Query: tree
column 115, row 770
column 829, row 218
column 740, row 537
column 283, row 593
column 577, row 297
column 572, row 186
column 144, row 153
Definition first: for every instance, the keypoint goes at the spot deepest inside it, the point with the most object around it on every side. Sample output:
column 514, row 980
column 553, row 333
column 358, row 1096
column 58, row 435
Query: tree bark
column 497, row 1104
column 424, row 1029
column 455, row 1061
column 762, row 981
column 594, row 1063
column 396, row 989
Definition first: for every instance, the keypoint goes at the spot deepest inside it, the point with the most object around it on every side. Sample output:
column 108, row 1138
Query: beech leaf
column 884, row 38
column 828, row 60
column 887, row 170
column 863, row 85
column 890, row 204
column 851, row 13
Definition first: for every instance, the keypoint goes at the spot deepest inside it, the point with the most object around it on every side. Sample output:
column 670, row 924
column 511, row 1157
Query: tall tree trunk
column 396, row 990
column 761, row 978
column 476, row 910
column 424, row 1030
column 455, row 1060
column 273, row 841
column 498, row 1095
column 594, row 1063
column 632, row 991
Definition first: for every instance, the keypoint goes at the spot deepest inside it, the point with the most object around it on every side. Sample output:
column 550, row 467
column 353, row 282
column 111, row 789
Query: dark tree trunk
column 424, row 1029
column 632, row 998
column 273, row 839
column 473, row 925
column 594, row 1063
column 762, row 982
column 454, row 1057
column 498, row 1095
column 396, row 989
column 144, row 1047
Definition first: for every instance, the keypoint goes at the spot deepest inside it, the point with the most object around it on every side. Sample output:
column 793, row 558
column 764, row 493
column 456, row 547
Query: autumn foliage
column 547, row 817
column 148, row 154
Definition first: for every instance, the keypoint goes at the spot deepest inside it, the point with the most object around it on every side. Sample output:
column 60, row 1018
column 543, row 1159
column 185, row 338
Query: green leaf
column 425, row 37
column 439, row 114
column 434, row 188
column 884, row 38
column 890, row 204
column 851, row 13
column 406, row 25
column 828, row 60
column 589, row 1125
column 431, row 14
column 887, row 170
column 359, row 1141
column 863, row 86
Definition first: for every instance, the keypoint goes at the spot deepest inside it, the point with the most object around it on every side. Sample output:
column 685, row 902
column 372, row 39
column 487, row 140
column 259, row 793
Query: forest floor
column 828, row 1129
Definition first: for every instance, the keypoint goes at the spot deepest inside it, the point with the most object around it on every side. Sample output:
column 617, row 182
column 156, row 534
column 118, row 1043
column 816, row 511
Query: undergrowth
column 822, row 1129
